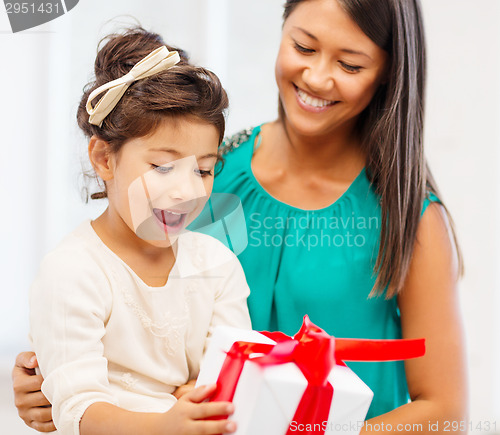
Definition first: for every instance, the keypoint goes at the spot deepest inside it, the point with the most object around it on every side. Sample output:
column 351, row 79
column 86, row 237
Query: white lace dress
column 102, row 335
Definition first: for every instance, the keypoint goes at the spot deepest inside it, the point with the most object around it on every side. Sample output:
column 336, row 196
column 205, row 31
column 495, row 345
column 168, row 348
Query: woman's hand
column 32, row 406
column 183, row 389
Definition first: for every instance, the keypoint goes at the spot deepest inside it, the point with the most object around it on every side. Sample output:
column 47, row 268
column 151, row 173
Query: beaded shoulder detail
column 230, row 143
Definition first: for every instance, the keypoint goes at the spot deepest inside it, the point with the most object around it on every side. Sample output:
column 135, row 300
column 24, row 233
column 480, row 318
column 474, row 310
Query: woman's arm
column 32, row 406
column 429, row 308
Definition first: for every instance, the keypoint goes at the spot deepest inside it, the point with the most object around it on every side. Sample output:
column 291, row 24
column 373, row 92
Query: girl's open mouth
column 170, row 221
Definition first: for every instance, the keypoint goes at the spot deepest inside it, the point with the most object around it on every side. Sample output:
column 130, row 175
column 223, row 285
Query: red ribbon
column 315, row 353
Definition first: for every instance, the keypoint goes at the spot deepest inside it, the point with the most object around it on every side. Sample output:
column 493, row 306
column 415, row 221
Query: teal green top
column 316, row 262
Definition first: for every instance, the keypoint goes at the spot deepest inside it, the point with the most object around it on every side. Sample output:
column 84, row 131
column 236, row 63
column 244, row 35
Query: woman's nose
column 319, row 76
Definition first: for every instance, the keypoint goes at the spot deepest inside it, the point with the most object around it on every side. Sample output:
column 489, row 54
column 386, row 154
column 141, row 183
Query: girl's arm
column 230, row 293
column 186, row 417
column 429, row 308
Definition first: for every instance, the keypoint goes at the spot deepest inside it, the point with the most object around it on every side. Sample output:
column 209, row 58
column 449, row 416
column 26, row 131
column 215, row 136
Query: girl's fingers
column 184, row 389
column 211, row 409
column 199, row 394
column 213, row 427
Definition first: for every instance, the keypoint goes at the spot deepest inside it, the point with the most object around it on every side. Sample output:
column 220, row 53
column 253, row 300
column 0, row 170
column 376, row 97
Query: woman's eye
column 302, row 49
column 162, row 169
column 350, row 68
column 203, row 173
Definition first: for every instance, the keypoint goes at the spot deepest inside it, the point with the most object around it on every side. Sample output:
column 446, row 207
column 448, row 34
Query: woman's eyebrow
column 306, row 32
column 350, row 51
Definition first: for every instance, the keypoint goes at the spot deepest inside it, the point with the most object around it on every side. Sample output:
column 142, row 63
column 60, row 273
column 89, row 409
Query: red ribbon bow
column 315, row 353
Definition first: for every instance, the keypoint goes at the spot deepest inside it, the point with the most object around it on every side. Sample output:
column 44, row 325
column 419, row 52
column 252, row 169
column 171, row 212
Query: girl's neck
column 151, row 263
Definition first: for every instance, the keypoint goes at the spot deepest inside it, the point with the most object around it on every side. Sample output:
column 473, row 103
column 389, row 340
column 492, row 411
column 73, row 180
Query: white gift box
column 267, row 397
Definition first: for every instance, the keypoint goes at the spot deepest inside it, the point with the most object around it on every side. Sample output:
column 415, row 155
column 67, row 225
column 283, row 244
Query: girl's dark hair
column 184, row 90
column 391, row 130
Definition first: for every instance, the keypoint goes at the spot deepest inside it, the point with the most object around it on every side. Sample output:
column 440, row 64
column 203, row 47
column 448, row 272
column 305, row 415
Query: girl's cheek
column 209, row 185
column 154, row 184
column 138, row 202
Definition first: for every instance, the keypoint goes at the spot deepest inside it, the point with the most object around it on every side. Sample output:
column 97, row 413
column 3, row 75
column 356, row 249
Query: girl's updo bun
column 183, row 90
column 122, row 51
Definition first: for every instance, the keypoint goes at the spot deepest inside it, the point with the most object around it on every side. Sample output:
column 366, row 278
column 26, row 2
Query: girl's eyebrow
column 208, row 156
column 344, row 50
column 178, row 153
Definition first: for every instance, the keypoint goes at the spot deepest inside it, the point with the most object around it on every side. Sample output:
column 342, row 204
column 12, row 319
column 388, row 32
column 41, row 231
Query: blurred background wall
column 43, row 71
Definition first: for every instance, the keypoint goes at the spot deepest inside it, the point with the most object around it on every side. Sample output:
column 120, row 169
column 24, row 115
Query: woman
column 344, row 221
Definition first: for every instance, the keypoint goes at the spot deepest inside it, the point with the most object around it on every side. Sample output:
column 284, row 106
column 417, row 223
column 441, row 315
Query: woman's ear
column 101, row 158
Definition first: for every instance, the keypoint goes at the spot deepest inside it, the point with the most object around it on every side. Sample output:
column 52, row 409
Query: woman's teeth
column 312, row 101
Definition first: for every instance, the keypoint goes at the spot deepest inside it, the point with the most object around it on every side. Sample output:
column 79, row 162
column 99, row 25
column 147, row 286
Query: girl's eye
column 302, row 49
column 203, row 173
column 350, row 68
column 162, row 169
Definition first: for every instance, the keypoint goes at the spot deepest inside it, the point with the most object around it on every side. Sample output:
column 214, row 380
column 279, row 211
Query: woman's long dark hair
column 391, row 129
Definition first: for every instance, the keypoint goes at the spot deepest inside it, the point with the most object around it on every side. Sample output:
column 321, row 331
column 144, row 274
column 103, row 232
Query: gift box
column 282, row 385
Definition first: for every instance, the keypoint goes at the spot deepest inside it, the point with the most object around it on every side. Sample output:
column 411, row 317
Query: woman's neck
column 338, row 153
column 308, row 173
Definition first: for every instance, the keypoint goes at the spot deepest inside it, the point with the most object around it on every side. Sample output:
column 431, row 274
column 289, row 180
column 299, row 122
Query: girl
column 344, row 218
column 122, row 309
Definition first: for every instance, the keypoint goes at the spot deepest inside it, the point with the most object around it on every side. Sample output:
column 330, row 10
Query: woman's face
column 327, row 69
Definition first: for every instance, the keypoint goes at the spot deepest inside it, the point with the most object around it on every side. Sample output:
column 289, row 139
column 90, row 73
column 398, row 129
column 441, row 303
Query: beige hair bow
column 156, row 61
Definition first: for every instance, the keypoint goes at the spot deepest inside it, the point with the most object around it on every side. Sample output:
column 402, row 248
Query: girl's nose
column 186, row 185
column 319, row 77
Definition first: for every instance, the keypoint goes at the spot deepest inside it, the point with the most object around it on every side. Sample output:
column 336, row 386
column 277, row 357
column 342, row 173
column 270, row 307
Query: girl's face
column 161, row 182
column 327, row 69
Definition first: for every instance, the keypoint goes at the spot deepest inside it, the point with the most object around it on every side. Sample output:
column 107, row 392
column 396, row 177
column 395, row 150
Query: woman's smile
column 312, row 103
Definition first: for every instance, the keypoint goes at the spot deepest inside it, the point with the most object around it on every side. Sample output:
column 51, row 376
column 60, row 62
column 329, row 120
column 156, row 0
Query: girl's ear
column 101, row 158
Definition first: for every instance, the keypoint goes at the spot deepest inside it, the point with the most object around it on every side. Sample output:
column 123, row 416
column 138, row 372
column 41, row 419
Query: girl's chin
column 151, row 232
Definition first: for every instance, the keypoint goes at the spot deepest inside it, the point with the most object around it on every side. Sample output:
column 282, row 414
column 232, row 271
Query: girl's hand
column 189, row 415
column 183, row 389
column 32, row 406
